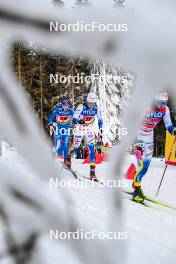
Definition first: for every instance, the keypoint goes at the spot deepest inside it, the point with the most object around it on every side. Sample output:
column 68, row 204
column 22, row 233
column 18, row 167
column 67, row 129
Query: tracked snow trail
column 151, row 233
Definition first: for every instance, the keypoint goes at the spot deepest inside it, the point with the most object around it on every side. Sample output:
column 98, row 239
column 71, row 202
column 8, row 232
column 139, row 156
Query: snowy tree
column 114, row 87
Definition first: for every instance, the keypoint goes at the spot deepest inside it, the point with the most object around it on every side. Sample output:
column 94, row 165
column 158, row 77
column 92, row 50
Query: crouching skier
column 84, row 119
column 62, row 115
column 144, row 147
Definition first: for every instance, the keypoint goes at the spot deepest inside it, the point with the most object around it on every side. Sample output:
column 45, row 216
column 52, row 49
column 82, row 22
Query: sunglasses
column 162, row 103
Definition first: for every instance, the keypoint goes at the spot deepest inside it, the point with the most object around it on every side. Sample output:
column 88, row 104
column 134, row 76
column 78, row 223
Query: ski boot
column 138, row 195
column 92, row 172
column 67, row 161
column 134, row 187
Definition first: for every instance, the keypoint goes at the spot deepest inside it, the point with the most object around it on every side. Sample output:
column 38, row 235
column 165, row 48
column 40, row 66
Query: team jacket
column 152, row 118
column 83, row 112
column 61, row 117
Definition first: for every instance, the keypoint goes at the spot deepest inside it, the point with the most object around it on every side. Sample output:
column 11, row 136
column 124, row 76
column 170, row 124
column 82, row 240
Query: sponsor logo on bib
column 154, row 115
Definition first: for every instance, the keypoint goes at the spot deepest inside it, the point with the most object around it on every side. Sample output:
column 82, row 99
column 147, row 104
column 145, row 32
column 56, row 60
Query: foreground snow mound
column 151, row 232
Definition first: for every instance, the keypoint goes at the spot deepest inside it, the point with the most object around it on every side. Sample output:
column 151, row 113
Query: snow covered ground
column 151, row 233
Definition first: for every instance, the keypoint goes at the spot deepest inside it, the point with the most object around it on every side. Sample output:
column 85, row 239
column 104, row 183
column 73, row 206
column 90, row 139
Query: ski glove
column 174, row 132
column 81, row 122
column 53, row 124
column 74, row 121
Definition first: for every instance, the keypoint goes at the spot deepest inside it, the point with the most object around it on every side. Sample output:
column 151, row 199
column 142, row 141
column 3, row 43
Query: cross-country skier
column 60, row 121
column 84, row 119
column 144, row 147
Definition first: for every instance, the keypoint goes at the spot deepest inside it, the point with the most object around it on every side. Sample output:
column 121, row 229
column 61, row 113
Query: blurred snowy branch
column 148, row 48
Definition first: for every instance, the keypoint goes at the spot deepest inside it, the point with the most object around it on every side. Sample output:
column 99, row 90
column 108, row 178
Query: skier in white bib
column 144, row 147
column 84, row 118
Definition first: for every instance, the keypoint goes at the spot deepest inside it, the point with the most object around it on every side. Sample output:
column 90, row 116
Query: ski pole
column 166, row 166
column 51, row 132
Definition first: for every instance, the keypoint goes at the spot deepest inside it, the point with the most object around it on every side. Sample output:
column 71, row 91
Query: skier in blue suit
column 60, row 121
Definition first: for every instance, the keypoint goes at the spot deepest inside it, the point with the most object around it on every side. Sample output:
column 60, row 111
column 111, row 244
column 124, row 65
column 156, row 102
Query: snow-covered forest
column 34, row 69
